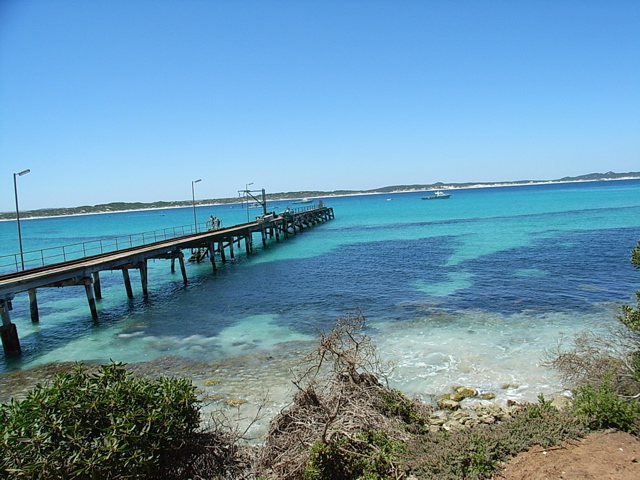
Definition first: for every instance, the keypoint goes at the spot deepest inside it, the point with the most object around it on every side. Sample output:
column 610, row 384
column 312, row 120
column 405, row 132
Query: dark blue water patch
column 573, row 271
column 569, row 272
column 310, row 293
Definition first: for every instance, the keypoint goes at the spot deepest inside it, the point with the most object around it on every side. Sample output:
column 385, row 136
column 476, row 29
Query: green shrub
column 107, row 424
column 396, row 404
column 368, row 456
column 631, row 316
column 634, row 358
column 604, row 408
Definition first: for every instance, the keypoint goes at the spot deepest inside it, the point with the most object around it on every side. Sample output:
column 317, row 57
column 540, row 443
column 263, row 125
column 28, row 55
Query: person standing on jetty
column 215, row 223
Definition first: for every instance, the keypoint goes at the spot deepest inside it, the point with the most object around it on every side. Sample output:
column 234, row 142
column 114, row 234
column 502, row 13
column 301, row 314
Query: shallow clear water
column 467, row 290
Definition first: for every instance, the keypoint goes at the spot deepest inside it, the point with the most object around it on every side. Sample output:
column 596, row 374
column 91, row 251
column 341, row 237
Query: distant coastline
column 116, row 207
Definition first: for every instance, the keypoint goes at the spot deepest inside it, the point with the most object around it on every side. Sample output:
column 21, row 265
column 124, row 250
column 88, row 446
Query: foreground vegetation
column 344, row 421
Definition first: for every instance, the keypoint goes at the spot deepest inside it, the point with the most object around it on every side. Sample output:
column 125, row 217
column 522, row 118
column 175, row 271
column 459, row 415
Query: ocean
column 472, row 290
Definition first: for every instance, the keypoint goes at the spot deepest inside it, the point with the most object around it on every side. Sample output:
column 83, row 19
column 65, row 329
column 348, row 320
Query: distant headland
column 127, row 206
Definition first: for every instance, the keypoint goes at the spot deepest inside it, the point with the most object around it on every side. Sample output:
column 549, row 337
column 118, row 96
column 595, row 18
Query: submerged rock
column 466, row 392
column 448, row 403
column 456, row 397
column 491, row 411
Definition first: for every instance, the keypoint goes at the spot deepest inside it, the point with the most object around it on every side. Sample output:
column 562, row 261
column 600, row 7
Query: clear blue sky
column 132, row 100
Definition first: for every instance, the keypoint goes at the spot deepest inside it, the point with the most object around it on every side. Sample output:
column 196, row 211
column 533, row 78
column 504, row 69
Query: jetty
column 216, row 244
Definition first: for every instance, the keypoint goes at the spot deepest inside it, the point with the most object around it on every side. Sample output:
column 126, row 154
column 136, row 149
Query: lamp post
column 193, row 196
column 246, row 194
column 15, row 189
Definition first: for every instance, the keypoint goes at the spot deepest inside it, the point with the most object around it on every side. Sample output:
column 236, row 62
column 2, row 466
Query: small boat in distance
column 304, row 200
column 439, row 195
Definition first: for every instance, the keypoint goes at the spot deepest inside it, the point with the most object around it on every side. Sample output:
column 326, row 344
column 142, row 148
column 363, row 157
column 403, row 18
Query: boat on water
column 439, row 195
column 304, row 200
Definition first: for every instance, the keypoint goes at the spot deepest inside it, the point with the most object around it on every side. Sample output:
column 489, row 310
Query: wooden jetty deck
column 85, row 271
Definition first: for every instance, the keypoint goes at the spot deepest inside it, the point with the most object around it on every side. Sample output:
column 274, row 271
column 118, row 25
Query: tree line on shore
column 128, row 206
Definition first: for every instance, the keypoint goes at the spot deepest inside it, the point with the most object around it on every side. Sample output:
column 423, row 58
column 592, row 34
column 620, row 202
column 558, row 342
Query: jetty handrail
column 84, row 270
column 304, row 209
column 46, row 256
column 49, row 255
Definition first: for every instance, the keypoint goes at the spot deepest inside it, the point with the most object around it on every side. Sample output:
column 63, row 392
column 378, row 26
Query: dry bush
column 219, row 450
column 340, row 396
column 592, row 359
column 207, row 455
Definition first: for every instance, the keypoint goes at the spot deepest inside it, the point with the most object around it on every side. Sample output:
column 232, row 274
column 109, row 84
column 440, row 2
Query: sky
column 133, row 100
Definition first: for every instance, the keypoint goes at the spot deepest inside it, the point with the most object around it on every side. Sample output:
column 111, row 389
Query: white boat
column 439, row 195
column 304, row 200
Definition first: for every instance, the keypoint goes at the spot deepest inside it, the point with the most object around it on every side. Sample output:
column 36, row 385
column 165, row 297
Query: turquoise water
column 468, row 290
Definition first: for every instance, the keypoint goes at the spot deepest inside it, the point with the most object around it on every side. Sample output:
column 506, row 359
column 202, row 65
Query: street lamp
column 15, row 189
column 193, row 196
column 246, row 194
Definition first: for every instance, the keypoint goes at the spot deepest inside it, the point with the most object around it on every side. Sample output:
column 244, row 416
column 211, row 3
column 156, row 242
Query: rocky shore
column 463, row 407
column 466, row 407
